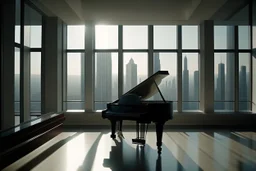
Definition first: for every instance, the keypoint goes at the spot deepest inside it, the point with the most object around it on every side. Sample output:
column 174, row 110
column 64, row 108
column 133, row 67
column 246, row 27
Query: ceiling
column 139, row 11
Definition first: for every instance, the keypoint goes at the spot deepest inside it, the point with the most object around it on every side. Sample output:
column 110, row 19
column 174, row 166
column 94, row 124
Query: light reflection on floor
column 96, row 151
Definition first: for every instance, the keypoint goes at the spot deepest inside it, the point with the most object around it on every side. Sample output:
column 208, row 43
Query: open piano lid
column 148, row 87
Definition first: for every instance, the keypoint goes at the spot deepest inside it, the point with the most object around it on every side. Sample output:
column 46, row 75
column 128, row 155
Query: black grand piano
column 133, row 106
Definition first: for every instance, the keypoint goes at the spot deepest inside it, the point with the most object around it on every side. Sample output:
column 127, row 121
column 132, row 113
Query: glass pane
column 224, row 78
column 135, row 69
column 35, row 82
column 254, row 40
column 244, row 81
column 32, row 28
column 165, row 37
column 75, row 36
column 190, row 80
column 74, row 105
column 223, row 37
column 168, row 86
column 192, row 105
column 75, row 78
column 106, row 37
column 17, row 21
column 244, row 37
column 245, row 106
column 135, row 37
column 106, row 78
column 224, row 106
column 190, row 37
column 17, row 81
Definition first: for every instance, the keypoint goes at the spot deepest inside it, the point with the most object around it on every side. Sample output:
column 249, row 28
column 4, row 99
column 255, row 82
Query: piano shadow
column 124, row 157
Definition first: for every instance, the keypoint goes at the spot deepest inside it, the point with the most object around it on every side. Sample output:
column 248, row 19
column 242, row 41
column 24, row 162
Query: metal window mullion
column 251, row 47
column 236, row 86
column 120, row 61
column 150, row 50
column 179, row 68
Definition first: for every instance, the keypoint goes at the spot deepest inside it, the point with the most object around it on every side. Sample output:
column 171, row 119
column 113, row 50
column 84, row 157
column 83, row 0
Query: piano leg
column 113, row 129
column 159, row 135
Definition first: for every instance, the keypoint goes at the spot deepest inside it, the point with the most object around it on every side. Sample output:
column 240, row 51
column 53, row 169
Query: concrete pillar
column 52, row 59
column 7, row 63
column 89, row 79
column 206, row 66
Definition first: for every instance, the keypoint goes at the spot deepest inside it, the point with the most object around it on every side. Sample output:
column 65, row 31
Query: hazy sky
column 136, row 37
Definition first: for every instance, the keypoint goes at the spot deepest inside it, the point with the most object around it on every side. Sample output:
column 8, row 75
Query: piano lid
column 148, row 87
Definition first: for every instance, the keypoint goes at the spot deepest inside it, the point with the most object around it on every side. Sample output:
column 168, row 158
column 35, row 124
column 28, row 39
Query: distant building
column 131, row 75
column 195, row 96
column 103, row 88
column 185, row 85
column 243, row 94
column 220, row 90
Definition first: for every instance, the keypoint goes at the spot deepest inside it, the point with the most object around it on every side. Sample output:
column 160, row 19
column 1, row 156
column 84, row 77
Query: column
column 52, row 60
column 206, row 66
column 7, row 63
column 89, row 67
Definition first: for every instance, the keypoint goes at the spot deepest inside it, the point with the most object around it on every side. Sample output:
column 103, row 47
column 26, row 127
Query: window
column 244, row 37
column 106, row 79
column 168, row 87
column 17, row 82
column 224, row 37
column 135, row 69
column 224, row 81
column 244, row 82
column 35, row 83
column 32, row 28
column 17, row 21
column 190, row 81
column 75, row 36
column 135, row 37
column 106, row 37
column 75, row 81
column 165, row 37
column 190, row 37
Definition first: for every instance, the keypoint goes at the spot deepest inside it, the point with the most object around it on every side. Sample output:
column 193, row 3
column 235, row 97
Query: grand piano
column 134, row 106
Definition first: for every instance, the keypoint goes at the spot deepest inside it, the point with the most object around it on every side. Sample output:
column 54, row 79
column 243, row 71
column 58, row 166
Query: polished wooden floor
column 94, row 150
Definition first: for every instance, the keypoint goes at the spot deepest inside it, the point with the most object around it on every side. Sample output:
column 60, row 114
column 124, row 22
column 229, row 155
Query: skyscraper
column 196, row 89
column 243, row 94
column 220, row 90
column 131, row 75
column 103, row 91
column 185, row 85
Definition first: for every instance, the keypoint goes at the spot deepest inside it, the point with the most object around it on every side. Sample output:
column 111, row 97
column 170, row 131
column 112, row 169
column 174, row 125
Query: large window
column 75, row 81
column 190, row 68
column 168, row 87
column 224, row 79
column 232, row 55
column 35, row 83
column 74, row 98
column 190, row 81
column 128, row 56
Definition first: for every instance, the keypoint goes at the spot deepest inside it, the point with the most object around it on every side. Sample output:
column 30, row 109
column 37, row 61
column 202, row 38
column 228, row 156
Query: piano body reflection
column 134, row 106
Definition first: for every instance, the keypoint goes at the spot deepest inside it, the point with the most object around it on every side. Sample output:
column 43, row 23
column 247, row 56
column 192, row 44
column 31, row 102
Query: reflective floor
column 96, row 151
